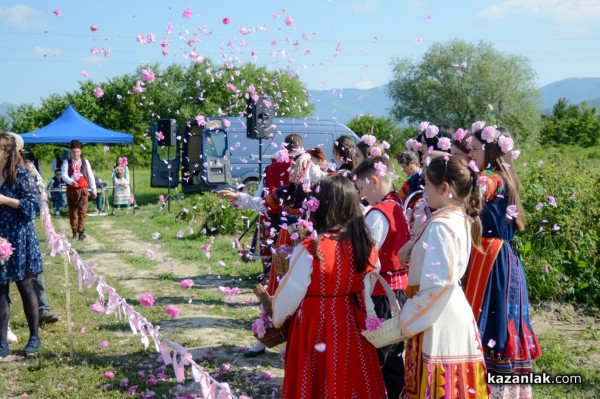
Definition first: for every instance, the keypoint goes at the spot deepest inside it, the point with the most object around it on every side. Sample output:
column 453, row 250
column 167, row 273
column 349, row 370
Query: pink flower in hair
column 423, row 126
column 368, row 139
column 380, row 169
column 444, row 143
column 489, row 134
column 481, row 181
column 473, row 166
column 460, row 134
column 432, row 131
column 506, row 143
column 312, row 204
column 375, row 152
column 410, row 144
column 476, row 126
column 469, row 142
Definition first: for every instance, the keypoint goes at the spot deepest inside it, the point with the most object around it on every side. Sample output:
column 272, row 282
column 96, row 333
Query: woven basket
column 389, row 332
column 281, row 261
column 274, row 336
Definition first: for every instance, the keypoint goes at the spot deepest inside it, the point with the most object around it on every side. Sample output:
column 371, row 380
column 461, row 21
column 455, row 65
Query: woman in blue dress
column 19, row 205
column 495, row 285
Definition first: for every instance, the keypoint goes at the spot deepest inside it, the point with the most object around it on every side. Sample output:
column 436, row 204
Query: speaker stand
column 170, row 197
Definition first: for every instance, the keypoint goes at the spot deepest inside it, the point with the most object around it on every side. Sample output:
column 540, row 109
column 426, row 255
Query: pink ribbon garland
column 59, row 245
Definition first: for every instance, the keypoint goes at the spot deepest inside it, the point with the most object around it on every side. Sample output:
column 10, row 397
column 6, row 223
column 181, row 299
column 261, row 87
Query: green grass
column 54, row 375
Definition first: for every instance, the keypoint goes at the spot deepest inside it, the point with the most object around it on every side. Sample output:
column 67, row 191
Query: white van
column 244, row 151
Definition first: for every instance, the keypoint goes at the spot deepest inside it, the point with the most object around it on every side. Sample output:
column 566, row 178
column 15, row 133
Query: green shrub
column 215, row 215
column 560, row 246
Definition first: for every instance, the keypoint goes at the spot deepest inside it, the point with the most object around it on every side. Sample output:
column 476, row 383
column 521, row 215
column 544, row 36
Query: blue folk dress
column 16, row 226
column 496, row 288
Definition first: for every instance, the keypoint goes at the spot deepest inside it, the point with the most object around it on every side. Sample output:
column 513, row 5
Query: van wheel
column 250, row 186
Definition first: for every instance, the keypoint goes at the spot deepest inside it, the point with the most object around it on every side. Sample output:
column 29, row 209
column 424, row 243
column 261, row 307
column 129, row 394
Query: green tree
column 457, row 83
column 571, row 124
column 384, row 129
column 180, row 92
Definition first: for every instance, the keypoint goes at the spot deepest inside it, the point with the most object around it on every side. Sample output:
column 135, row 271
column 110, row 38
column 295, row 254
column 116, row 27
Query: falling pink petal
column 320, row 347
column 244, row 31
column 289, row 21
column 94, row 28
column 187, row 13
column 419, row 41
column 539, row 206
column 556, row 227
column 431, row 276
column 552, row 201
column 57, row 12
column 103, row 344
column 491, row 343
column 546, row 268
column 427, row 17
column 226, row 21
column 511, row 212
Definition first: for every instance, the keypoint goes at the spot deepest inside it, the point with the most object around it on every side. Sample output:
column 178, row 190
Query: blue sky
column 331, row 44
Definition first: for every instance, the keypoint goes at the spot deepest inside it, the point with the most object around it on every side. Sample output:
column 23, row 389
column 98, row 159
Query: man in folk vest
column 78, row 175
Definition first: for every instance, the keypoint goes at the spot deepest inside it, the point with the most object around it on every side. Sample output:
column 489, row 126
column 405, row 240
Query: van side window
column 215, row 143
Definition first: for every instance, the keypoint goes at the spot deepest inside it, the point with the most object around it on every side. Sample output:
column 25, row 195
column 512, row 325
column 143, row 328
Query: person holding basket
column 444, row 357
column 389, row 231
column 321, row 293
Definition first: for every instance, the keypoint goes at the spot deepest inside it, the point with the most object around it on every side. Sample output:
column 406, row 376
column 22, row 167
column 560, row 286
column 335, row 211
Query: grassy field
column 52, row 374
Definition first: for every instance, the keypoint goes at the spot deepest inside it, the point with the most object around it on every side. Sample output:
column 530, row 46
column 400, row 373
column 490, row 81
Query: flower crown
column 492, row 135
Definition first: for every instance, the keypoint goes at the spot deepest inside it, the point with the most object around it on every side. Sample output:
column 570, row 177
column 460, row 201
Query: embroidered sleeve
column 292, row 288
column 246, row 201
column 435, row 283
column 494, row 185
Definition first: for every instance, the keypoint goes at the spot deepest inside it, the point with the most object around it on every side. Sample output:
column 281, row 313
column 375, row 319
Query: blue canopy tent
column 70, row 126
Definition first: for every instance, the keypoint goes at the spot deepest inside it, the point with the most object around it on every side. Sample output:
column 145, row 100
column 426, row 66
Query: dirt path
column 222, row 336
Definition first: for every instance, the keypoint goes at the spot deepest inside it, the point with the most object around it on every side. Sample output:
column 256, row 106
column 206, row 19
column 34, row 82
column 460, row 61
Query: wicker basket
column 274, row 336
column 389, row 332
column 281, row 260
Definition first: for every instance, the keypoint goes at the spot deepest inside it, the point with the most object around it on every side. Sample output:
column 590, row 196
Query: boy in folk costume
column 389, row 231
column 78, row 175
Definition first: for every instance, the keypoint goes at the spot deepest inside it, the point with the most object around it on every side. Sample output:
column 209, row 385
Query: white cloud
column 365, row 84
column 561, row 11
column 47, row 51
column 23, row 17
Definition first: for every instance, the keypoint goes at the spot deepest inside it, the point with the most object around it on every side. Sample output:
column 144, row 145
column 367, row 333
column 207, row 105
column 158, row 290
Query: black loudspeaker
column 259, row 118
column 168, row 127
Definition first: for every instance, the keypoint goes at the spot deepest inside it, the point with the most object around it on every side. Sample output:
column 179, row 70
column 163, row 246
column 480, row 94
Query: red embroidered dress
column 327, row 357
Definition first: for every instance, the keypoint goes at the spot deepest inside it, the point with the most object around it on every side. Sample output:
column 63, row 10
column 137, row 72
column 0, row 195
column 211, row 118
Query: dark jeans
column 99, row 200
column 59, row 199
column 390, row 357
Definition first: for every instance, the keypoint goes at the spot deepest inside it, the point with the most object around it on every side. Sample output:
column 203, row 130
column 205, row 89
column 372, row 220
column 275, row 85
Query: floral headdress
column 490, row 134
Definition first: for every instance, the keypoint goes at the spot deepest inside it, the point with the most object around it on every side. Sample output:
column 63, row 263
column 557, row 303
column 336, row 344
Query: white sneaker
column 11, row 338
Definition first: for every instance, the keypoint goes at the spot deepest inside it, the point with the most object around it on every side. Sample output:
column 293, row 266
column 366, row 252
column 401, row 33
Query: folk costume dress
column 16, row 226
column 389, row 231
column 122, row 194
column 444, row 358
column 326, row 355
column 496, row 288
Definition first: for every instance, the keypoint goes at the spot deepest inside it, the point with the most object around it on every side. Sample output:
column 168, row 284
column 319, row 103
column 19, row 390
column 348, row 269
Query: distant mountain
column 575, row 90
column 345, row 104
